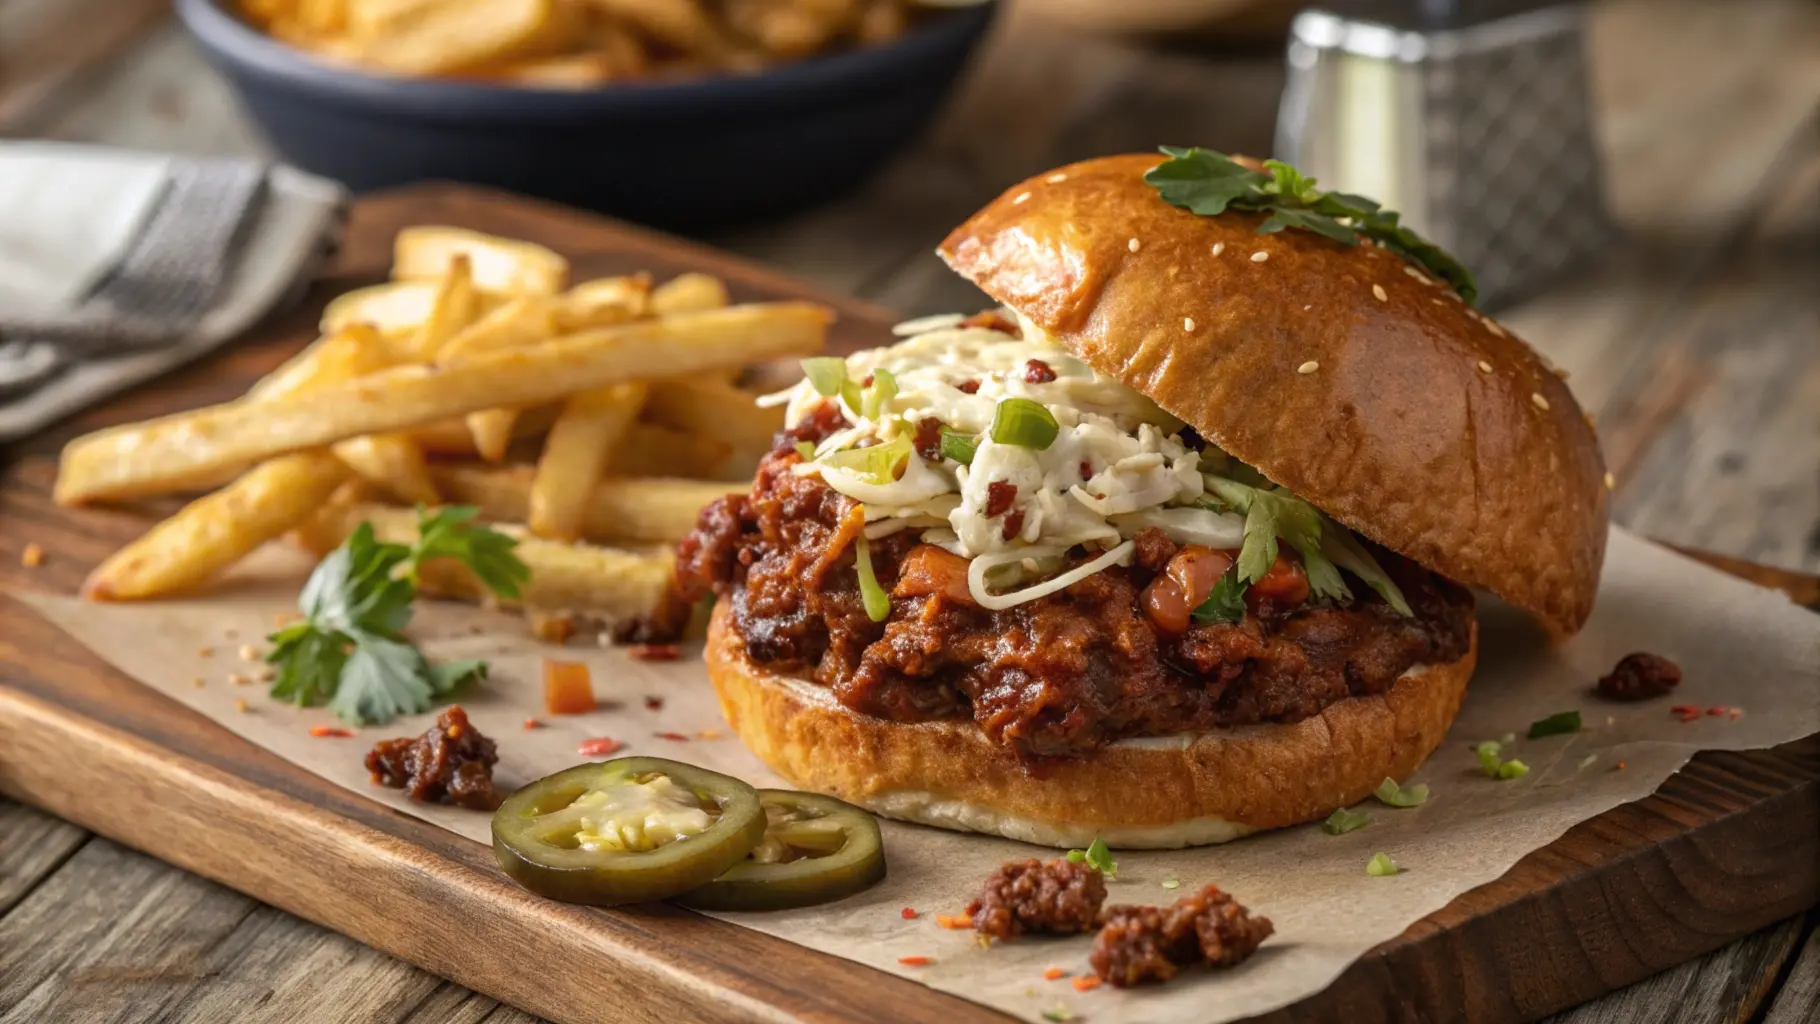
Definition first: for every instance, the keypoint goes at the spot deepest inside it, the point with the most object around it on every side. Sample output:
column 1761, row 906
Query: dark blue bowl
column 682, row 154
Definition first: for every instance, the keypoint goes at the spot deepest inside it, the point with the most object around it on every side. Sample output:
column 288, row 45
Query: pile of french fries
column 576, row 43
column 592, row 420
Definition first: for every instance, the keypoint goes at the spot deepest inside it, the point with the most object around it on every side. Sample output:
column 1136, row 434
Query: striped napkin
column 117, row 266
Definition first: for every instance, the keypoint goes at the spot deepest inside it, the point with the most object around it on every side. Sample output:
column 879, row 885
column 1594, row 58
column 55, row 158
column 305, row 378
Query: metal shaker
column 1471, row 117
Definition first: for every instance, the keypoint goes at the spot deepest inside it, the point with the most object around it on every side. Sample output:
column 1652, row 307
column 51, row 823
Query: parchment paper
column 1740, row 646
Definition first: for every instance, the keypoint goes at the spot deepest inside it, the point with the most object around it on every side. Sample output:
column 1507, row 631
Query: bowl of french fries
column 589, row 420
column 677, row 113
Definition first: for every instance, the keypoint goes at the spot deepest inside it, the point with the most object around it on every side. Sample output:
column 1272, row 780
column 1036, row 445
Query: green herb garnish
column 1399, row 796
column 878, row 603
column 1172, row 883
column 959, row 447
column 350, row 651
column 1487, row 753
column 1512, row 769
column 1226, row 603
column 1343, row 821
column 1271, row 515
column 1024, row 423
column 1096, row 856
column 1381, row 865
column 1209, row 183
column 878, row 464
column 1058, row 1014
column 1555, row 725
column 882, row 390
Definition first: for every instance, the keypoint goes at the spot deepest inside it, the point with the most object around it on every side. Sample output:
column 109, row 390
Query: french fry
column 395, row 308
column 681, row 24
column 689, row 293
column 523, row 321
column 613, row 584
column 575, row 453
column 456, row 36
column 213, row 532
column 499, row 264
column 455, row 306
column 650, row 450
column 603, row 301
column 452, row 437
column 394, row 463
column 369, row 18
column 144, row 459
column 345, row 353
column 619, row 510
column 712, row 408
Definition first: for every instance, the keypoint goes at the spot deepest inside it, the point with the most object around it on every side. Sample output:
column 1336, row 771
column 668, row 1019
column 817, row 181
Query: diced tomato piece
column 568, row 688
column 1172, row 597
column 1286, row 582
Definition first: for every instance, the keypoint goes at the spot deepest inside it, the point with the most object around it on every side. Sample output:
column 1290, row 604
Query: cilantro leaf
column 383, row 678
column 1227, row 601
column 449, row 532
column 350, row 651
column 1209, row 183
column 1558, row 724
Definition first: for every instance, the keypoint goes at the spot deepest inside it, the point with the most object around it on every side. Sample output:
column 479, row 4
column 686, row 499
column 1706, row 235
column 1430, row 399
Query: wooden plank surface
column 1712, row 184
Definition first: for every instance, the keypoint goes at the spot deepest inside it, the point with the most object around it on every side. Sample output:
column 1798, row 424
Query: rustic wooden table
column 1697, row 344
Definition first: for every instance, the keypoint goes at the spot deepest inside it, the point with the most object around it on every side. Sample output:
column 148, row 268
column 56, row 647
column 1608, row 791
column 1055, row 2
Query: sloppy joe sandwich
column 1177, row 545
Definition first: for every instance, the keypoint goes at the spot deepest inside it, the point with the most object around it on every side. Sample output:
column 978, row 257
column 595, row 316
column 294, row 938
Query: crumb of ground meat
column 1143, row 944
column 1153, row 548
column 451, row 763
column 1059, row 897
column 1640, row 676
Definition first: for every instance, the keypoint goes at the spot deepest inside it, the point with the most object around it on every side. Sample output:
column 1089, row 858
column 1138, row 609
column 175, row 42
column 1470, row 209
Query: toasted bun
column 1490, row 477
column 1152, row 793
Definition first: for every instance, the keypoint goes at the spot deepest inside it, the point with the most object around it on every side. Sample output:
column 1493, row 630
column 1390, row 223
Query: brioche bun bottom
column 1149, row 793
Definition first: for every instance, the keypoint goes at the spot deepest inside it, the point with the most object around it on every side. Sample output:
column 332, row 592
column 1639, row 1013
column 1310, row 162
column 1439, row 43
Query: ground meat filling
column 1052, row 678
column 451, row 763
column 1060, row 898
column 1640, row 676
column 1136, row 945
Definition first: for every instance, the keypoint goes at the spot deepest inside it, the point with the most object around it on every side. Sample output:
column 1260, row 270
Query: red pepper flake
column 329, row 732
column 654, row 703
column 1086, row 470
column 915, row 961
column 1086, row 983
column 1053, row 973
column 1014, row 524
column 969, row 387
column 673, row 737
column 1685, row 712
column 907, row 914
column 954, row 922
column 656, row 652
column 532, row 723
column 1038, row 372
column 600, row 746
column 1717, row 711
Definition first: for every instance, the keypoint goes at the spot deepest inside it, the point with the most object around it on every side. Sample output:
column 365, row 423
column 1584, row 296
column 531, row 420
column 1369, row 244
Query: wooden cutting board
column 1727, row 846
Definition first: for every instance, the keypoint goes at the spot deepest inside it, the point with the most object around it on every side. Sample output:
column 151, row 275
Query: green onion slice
column 878, row 603
column 1487, row 753
column 882, row 391
column 1024, row 423
column 880, row 464
column 1381, row 865
column 959, row 447
column 1344, row 820
column 1512, row 769
column 826, row 374
column 1398, row 796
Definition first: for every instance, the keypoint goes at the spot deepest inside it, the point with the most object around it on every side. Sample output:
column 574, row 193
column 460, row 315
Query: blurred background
column 1636, row 181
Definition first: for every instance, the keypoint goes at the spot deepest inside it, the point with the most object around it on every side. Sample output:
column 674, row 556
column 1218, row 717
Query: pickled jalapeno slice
column 816, row 849
column 626, row 831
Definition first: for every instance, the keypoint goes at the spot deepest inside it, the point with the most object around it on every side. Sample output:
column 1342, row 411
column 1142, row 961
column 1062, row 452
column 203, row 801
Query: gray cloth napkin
column 117, row 266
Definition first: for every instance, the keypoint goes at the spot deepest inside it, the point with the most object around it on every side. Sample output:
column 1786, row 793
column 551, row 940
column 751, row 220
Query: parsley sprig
column 350, row 651
column 1209, row 183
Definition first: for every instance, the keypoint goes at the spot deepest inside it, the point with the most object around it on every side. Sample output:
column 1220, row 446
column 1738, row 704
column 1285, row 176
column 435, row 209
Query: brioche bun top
column 1346, row 374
